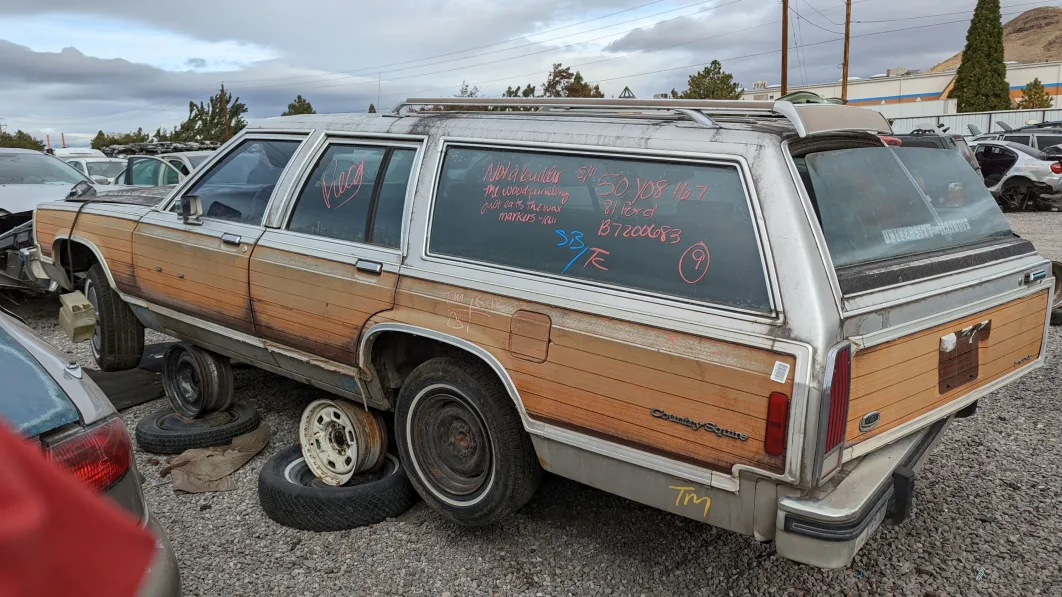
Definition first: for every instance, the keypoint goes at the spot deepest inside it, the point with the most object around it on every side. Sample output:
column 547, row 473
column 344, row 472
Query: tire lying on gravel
column 292, row 496
column 1056, row 317
column 166, row 432
column 118, row 343
column 463, row 443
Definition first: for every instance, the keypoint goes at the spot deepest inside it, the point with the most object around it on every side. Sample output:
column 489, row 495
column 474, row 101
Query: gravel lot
column 988, row 519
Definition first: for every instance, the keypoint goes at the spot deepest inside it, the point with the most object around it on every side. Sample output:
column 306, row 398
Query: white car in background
column 101, row 170
column 1019, row 176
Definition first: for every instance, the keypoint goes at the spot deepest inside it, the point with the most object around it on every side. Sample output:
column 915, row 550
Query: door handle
column 369, row 267
column 230, row 239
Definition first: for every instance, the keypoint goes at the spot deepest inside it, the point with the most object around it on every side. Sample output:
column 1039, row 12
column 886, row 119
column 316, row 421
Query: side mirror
column 191, row 210
column 101, row 180
column 81, row 189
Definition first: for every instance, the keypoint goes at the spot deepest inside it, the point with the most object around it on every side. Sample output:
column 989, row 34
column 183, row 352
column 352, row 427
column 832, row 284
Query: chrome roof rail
column 807, row 119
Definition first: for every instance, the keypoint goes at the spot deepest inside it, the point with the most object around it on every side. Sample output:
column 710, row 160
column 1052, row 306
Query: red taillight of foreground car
column 98, row 456
column 1056, row 168
column 777, row 418
column 840, row 386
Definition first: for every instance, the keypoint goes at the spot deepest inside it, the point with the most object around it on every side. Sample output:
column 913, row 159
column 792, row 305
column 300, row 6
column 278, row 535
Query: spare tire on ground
column 293, row 497
column 166, row 432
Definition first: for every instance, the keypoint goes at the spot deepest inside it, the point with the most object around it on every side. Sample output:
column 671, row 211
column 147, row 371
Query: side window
column 347, row 198
column 1023, row 139
column 179, row 165
column 80, row 167
column 239, row 186
column 678, row 228
column 1045, row 141
column 170, row 176
column 146, row 172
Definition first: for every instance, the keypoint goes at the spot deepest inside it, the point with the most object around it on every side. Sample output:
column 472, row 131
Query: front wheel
column 118, row 342
column 462, row 442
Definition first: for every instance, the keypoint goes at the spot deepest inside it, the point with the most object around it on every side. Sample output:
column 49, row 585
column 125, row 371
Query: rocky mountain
column 1033, row 36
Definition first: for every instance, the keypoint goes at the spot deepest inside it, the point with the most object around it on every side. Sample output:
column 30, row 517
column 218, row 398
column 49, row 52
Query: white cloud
column 138, row 63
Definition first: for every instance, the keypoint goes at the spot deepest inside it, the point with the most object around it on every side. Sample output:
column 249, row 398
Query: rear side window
column 680, row 229
column 883, row 203
column 1023, row 139
column 1045, row 141
column 356, row 193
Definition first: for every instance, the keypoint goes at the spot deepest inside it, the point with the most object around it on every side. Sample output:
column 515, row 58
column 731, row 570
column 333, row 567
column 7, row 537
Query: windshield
column 195, row 160
column 33, row 168
column 882, row 203
column 107, row 169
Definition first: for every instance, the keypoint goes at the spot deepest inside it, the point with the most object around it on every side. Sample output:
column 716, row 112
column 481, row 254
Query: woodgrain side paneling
column 193, row 273
column 899, row 379
column 315, row 304
column 615, row 379
column 112, row 235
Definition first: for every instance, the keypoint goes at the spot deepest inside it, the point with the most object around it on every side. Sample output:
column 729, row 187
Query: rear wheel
column 463, row 443
column 1016, row 195
column 118, row 343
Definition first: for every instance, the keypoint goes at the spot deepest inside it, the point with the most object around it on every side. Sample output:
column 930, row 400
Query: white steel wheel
column 340, row 439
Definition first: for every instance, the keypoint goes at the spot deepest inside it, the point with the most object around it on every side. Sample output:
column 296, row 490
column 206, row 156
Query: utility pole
column 847, row 38
column 377, row 90
column 785, row 47
column 225, row 110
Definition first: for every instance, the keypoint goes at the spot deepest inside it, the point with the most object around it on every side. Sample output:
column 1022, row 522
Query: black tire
column 196, row 381
column 118, row 344
column 463, row 443
column 290, row 495
column 1056, row 316
column 166, row 432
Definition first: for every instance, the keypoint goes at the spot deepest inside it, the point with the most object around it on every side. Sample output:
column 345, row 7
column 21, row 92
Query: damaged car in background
column 29, row 178
column 1019, row 176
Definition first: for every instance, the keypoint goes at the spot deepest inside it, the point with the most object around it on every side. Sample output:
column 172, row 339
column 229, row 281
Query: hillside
column 1033, row 36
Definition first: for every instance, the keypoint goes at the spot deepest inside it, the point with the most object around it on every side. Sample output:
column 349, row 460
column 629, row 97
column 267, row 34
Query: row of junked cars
column 1022, row 167
column 758, row 315
column 28, row 178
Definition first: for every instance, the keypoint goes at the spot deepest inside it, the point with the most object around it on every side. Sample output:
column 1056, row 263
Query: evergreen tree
column 1035, row 97
column 981, row 81
column 372, row 109
column 21, row 140
column 299, row 106
column 562, row 82
column 711, row 83
column 206, row 122
column 99, row 141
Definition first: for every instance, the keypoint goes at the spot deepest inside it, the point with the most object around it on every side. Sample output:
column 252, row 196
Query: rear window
column 680, row 229
column 884, row 203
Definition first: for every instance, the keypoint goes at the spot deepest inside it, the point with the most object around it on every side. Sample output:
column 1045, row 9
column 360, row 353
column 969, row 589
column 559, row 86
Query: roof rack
column 1049, row 124
column 807, row 119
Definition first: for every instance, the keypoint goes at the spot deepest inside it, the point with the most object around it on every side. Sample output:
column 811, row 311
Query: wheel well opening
column 75, row 259
column 396, row 354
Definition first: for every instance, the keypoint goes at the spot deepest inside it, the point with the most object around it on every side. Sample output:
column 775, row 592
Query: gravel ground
column 988, row 519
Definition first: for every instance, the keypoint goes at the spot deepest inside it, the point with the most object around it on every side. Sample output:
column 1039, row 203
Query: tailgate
column 915, row 377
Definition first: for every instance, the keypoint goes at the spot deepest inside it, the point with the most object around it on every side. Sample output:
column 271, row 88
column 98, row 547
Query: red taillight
column 777, row 417
column 840, row 384
column 1056, row 168
column 98, row 456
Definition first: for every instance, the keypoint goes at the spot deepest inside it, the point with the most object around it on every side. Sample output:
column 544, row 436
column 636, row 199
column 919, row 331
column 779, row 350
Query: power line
column 316, row 85
column 371, row 70
column 512, row 77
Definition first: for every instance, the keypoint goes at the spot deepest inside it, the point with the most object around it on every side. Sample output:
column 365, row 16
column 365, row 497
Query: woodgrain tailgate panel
column 899, row 379
column 605, row 377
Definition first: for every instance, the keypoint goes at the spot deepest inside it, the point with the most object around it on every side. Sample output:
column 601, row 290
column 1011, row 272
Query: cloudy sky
column 78, row 66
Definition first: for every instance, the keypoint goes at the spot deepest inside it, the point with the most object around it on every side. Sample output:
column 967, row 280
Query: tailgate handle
column 369, row 267
column 230, row 239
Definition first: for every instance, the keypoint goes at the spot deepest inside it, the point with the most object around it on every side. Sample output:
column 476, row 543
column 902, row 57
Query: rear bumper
column 163, row 578
column 826, row 527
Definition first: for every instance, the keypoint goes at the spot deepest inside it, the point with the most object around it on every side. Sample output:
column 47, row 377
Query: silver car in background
column 49, row 399
column 1019, row 176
